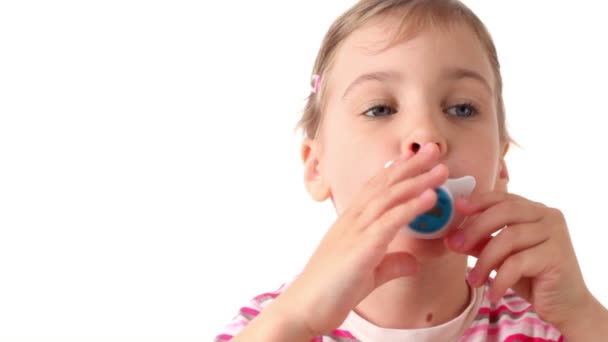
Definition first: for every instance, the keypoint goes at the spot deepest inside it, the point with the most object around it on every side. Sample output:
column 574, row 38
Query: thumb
column 395, row 265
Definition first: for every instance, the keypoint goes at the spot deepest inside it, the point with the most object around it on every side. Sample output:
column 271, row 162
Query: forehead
column 428, row 51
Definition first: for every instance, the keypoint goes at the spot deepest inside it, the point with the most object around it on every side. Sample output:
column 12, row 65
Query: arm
column 353, row 259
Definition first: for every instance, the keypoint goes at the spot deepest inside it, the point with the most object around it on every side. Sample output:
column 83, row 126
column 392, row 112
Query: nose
column 425, row 132
column 415, row 146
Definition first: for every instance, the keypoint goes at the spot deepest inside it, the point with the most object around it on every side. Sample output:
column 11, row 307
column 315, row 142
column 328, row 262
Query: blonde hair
column 415, row 15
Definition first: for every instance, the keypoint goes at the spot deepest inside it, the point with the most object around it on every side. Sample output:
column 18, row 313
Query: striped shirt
column 512, row 319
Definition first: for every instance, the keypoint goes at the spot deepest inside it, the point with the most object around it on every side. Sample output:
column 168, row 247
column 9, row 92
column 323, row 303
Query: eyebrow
column 452, row 74
column 455, row 74
column 380, row 76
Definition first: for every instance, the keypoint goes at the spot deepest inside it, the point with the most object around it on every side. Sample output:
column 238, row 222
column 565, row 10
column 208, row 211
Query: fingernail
column 437, row 169
column 492, row 295
column 473, row 277
column 428, row 194
column 457, row 239
column 427, row 148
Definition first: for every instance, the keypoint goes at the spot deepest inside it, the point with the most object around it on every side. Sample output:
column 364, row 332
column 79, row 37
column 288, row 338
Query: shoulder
column 512, row 318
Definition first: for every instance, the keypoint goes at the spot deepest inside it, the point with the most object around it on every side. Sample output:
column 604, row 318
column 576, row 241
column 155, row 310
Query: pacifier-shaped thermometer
column 434, row 223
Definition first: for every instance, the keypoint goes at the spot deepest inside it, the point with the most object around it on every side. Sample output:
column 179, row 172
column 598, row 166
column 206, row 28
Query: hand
column 532, row 254
column 352, row 259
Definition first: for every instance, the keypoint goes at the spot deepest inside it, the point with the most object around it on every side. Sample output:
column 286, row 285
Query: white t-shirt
column 449, row 331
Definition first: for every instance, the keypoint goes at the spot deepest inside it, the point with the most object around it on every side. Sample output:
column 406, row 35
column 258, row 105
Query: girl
column 418, row 82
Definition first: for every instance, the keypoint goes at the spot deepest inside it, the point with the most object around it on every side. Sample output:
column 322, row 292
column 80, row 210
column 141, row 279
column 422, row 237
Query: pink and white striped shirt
column 511, row 319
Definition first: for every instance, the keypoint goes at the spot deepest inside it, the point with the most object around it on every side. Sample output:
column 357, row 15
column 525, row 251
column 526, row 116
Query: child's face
column 424, row 90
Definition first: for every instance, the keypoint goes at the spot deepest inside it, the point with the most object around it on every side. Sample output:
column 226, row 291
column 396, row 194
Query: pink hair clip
column 316, row 82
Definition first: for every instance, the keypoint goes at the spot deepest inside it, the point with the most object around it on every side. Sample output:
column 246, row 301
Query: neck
column 437, row 294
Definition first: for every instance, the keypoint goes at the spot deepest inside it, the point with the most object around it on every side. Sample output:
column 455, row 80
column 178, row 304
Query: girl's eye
column 379, row 110
column 463, row 110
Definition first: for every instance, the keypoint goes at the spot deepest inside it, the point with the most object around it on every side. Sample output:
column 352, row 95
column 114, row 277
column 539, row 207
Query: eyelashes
column 379, row 110
column 461, row 110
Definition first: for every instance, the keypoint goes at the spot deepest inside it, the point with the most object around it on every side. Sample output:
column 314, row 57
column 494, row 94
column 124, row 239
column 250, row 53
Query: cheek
column 482, row 162
column 351, row 164
column 350, row 171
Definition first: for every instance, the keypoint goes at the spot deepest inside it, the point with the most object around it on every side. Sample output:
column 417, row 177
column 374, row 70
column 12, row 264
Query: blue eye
column 463, row 110
column 379, row 110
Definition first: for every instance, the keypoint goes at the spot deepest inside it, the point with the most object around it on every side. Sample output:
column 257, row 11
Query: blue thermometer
column 434, row 223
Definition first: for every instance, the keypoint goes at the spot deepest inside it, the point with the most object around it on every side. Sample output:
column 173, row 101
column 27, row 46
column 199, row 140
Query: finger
column 476, row 250
column 395, row 265
column 405, row 167
column 509, row 241
column 526, row 264
column 481, row 202
column 402, row 192
column 416, row 164
column 405, row 156
column 509, row 212
column 382, row 231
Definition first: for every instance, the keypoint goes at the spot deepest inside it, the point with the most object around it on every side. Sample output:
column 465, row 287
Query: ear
column 502, row 181
column 315, row 184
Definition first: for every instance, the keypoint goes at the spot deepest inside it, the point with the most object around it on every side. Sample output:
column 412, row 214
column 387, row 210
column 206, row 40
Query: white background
column 150, row 181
